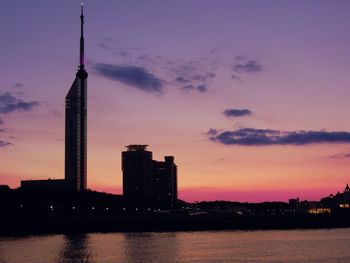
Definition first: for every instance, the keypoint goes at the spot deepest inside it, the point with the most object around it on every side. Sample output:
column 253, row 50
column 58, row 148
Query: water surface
column 213, row 246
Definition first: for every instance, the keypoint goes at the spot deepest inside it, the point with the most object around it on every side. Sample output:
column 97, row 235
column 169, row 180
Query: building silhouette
column 76, row 125
column 164, row 182
column 50, row 184
column 338, row 203
column 147, row 182
column 137, row 174
column 75, row 133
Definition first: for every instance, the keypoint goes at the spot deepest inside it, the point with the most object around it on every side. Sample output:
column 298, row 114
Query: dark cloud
column 251, row 66
column 135, row 76
column 184, row 77
column 1, row 121
column 56, row 113
column 263, row 137
column 198, row 82
column 212, row 132
column 203, row 77
column 191, row 74
column 4, row 144
column 199, row 72
column 236, row 77
column 9, row 103
column 182, row 80
column 170, row 62
column 104, row 45
column 116, row 47
column 200, row 88
column 189, row 87
column 18, row 85
column 237, row 112
column 241, row 57
column 340, row 156
column 122, row 53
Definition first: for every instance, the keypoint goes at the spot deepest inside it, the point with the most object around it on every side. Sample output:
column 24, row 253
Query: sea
column 322, row 245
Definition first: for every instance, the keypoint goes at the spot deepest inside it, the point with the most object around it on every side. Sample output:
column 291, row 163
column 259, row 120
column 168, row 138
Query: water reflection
column 326, row 246
column 150, row 247
column 76, row 249
column 119, row 247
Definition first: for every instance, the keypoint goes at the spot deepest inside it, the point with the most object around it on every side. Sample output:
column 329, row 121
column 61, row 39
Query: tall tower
column 76, row 126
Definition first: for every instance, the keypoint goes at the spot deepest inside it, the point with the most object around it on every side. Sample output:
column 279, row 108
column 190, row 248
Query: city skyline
column 252, row 109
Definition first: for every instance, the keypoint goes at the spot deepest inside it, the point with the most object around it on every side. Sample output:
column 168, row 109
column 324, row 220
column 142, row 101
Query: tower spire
column 81, row 66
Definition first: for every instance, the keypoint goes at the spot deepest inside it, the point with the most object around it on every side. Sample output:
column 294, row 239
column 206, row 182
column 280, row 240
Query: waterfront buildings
column 338, row 203
column 147, row 182
column 164, row 182
column 50, row 184
column 137, row 174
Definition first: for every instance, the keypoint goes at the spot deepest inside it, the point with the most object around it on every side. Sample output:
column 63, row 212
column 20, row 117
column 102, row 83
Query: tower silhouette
column 76, row 124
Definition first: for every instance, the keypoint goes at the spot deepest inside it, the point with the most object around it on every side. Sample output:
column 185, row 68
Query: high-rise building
column 164, row 183
column 137, row 174
column 146, row 181
column 76, row 126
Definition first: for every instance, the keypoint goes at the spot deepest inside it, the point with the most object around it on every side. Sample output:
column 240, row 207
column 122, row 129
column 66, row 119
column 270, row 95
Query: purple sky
column 163, row 73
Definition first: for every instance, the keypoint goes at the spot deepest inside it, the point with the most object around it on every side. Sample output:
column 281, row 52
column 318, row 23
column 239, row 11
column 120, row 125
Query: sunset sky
column 251, row 97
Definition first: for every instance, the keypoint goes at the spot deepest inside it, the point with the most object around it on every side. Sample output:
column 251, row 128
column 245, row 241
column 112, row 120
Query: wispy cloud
column 250, row 66
column 135, row 76
column 115, row 47
column 182, row 80
column 4, row 144
column 200, row 88
column 340, row 155
column 236, row 112
column 265, row 137
column 183, row 74
column 9, row 103
column 235, row 77
column 18, row 85
column 192, row 75
column 175, row 72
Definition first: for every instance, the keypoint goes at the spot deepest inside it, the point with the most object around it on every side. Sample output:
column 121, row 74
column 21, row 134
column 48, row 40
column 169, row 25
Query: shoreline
column 75, row 225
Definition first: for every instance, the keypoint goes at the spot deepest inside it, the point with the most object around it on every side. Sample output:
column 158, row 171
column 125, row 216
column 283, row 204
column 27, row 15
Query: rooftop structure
column 137, row 147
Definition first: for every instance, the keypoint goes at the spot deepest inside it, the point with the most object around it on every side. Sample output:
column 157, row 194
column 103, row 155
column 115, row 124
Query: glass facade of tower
column 76, row 133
